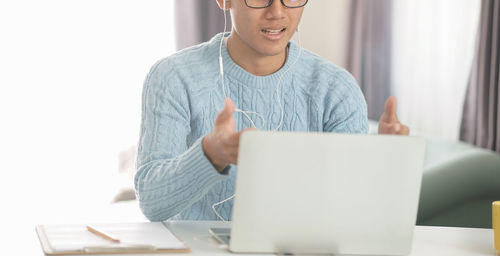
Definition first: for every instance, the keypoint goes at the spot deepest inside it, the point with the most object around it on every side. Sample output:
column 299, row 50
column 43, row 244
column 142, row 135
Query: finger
column 390, row 110
column 389, row 128
column 226, row 114
column 229, row 106
column 234, row 157
column 236, row 151
column 396, row 128
column 238, row 134
column 404, row 130
column 233, row 139
column 248, row 129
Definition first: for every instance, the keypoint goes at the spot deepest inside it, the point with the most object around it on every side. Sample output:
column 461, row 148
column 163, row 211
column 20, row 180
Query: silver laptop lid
column 326, row 193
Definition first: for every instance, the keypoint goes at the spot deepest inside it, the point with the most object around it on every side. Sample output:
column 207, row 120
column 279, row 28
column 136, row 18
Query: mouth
column 273, row 31
column 273, row 34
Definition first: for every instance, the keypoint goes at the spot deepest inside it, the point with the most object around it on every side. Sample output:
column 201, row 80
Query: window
column 432, row 56
column 70, row 94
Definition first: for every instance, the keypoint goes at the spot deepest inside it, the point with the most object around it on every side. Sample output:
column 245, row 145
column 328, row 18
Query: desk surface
column 427, row 241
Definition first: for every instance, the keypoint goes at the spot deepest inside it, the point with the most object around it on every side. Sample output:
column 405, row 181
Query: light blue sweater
column 182, row 96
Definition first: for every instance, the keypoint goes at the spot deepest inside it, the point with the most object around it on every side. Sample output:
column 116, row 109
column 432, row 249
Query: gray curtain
column 481, row 116
column 369, row 51
column 197, row 21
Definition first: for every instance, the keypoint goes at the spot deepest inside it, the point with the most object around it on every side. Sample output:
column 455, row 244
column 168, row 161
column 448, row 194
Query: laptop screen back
column 326, row 193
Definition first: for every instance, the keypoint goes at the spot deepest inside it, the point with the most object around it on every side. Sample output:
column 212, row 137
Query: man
column 188, row 148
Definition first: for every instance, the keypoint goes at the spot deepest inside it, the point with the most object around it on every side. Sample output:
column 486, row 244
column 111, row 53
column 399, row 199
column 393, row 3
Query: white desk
column 428, row 241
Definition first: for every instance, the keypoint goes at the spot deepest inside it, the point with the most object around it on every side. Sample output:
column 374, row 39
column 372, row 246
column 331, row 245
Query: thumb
column 389, row 115
column 225, row 114
column 236, row 135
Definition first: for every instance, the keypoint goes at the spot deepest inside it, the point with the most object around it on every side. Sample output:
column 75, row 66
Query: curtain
column 481, row 115
column 369, row 51
column 433, row 49
column 197, row 21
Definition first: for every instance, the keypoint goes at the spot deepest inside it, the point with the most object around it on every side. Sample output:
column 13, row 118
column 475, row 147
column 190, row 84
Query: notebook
column 147, row 237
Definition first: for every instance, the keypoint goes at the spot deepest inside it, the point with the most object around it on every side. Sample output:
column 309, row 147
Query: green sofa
column 459, row 183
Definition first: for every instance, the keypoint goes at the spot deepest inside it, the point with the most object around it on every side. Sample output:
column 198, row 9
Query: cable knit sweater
column 182, row 96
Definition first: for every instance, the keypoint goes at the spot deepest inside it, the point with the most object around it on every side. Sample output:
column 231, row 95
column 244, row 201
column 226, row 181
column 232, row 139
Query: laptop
column 325, row 193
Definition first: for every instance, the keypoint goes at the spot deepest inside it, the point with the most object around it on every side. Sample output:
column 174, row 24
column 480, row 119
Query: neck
column 251, row 60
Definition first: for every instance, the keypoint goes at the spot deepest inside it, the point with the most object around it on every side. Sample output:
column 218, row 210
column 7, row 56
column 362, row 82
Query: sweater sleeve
column 171, row 175
column 345, row 106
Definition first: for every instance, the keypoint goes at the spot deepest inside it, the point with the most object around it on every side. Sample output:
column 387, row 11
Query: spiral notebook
column 147, row 237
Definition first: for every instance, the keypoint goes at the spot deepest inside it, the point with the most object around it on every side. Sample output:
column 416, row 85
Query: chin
column 274, row 50
column 275, row 53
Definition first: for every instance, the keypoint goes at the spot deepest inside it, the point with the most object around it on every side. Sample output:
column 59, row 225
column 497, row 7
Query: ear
column 221, row 4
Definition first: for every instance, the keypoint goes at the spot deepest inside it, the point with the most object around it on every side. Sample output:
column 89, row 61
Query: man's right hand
column 221, row 145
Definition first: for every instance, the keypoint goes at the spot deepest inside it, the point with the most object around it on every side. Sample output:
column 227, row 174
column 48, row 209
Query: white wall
column 324, row 28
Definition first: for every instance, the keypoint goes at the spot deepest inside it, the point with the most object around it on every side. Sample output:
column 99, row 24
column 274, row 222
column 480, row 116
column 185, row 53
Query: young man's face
column 265, row 31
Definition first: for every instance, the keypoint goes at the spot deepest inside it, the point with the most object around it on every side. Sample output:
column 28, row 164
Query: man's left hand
column 389, row 123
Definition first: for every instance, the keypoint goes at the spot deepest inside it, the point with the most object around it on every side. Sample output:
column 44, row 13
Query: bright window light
column 70, row 98
column 432, row 57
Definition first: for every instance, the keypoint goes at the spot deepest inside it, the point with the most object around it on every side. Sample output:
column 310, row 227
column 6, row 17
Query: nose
column 276, row 10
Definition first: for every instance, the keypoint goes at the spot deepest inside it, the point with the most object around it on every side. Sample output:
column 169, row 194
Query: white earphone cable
column 221, row 202
column 221, row 68
column 245, row 113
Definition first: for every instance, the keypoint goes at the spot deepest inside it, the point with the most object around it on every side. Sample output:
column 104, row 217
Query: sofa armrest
column 462, row 176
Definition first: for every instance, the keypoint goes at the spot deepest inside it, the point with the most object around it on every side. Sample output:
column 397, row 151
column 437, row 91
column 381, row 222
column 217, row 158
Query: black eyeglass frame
column 270, row 2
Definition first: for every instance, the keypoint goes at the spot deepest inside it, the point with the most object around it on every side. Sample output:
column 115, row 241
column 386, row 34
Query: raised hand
column 221, row 145
column 389, row 123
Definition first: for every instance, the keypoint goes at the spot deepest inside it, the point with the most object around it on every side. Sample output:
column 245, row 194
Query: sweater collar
column 235, row 72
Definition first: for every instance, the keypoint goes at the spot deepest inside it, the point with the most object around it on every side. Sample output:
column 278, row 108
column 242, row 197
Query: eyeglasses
column 259, row 4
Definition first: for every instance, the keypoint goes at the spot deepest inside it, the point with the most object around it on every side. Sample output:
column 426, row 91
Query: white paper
column 77, row 237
